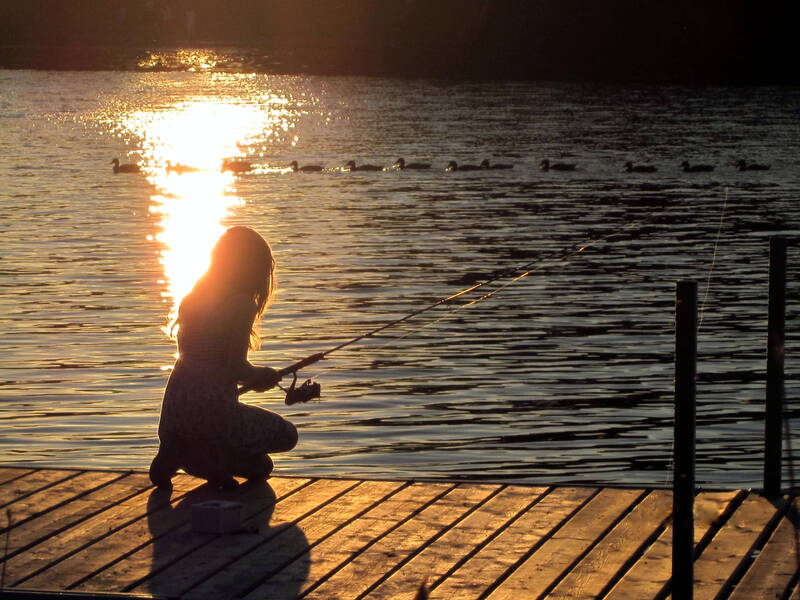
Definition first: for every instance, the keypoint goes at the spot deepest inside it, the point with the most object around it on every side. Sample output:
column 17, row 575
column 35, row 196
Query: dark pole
column 773, row 421
column 684, row 440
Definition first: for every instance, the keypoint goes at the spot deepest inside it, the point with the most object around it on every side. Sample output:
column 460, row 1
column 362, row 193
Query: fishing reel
column 306, row 392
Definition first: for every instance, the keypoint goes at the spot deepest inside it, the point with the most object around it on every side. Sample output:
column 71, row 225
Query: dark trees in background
column 732, row 41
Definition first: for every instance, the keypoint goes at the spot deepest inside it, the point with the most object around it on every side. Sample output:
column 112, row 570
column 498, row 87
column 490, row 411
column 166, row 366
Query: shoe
column 225, row 484
column 162, row 471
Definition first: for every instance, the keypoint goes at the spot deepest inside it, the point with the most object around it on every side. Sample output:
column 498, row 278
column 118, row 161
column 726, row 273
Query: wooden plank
column 295, row 579
column 10, row 473
column 721, row 559
column 31, row 483
column 648, row 576
column 796, row 593
column 549, row 561
column 109, row 550
column 43, row 526
column 473, row 578
column 62, row 492
column 248, row 559
column 596, row 571
column 376, row 561
column 438, row 559
column 771, row 573
column 24, row 569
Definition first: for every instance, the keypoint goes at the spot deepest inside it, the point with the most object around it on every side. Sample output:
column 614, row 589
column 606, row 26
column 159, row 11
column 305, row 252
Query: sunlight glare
column 183, row 148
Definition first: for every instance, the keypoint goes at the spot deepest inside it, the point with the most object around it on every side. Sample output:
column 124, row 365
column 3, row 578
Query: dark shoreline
column 627, row 41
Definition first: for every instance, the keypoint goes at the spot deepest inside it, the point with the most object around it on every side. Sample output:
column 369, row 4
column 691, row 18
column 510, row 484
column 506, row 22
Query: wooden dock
column 110, row 531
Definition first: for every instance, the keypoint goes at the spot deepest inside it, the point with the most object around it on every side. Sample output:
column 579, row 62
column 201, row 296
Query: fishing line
column 713, row 259
column 670, row 465
column 526, row 269
column 455, row 309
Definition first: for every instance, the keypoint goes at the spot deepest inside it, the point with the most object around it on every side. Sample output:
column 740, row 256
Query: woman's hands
column 265, row 379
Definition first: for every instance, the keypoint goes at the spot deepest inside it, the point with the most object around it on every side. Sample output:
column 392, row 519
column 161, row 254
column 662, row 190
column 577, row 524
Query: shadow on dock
column 227, row 565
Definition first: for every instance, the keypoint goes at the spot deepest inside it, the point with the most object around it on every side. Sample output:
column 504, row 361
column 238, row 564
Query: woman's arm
column 240, row 312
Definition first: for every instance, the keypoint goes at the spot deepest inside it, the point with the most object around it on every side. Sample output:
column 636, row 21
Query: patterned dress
column 203, row 425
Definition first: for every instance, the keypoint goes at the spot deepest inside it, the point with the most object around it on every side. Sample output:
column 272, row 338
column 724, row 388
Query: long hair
column 241, row 263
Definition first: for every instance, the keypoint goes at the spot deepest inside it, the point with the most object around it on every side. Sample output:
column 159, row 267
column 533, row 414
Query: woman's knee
column 285, row 437
column 289, row 437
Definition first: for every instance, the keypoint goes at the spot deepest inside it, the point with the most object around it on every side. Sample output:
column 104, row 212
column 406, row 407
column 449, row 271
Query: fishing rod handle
column 300, row 364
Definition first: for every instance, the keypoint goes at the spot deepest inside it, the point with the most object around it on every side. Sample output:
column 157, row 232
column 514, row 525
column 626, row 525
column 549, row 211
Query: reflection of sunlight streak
column 191, row 60
column 201, row 133
column 190, row 225
column 191, row 204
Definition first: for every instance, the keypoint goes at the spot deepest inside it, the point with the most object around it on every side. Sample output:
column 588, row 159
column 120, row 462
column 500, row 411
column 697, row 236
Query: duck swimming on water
column 687, row 168
column 125, row 168
column 401, row 164
column 485, row 165
column 233, row 165
column 351, row 166
column 632, row 168
column 304, row 168
column 180, row 168
column 546, row 166
column 454, row 166
column 743, row 166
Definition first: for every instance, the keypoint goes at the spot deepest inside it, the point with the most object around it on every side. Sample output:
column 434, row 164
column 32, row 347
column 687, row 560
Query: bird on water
column 632, row 168
column 687, row 168
column 486, row 165
column 125, row 168
column 743, row 166
column 351, row 166
column 304, row 168
column 180, row 168
column 236, row 166
column 401, row 164
column 547, row 166
column 454, row 166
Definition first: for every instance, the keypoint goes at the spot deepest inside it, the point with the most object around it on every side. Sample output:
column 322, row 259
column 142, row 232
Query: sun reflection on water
column 182, row 59
column 183, row 148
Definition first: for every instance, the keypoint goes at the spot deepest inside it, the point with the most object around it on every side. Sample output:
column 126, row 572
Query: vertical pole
column 684, row 440
column 773, row 421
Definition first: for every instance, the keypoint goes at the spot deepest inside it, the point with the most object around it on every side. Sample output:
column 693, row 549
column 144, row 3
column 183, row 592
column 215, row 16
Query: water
column 563, row 376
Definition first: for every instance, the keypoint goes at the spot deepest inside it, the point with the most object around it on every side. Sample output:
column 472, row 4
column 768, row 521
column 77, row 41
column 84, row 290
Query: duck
column 485, row 165
column 546, row 166
column 351, row 166
column 454, row 166
column 687, row 168
column 180, row 168
column 236, row 166
column 401, row 164
column 743, row 166
column 632, row 168
column 304, row 168
column 125, row 168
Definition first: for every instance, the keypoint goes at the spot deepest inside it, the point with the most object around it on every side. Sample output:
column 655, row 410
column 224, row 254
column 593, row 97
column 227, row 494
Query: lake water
column 563, row 376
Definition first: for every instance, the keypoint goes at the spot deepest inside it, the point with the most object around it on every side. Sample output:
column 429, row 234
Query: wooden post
column 684, row 440
column 773, row 421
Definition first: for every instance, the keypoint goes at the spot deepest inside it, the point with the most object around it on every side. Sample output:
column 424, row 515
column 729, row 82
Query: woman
column 204, row 429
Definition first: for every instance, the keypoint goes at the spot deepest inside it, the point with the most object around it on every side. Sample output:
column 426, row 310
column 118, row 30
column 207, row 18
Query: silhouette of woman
column 204, row 429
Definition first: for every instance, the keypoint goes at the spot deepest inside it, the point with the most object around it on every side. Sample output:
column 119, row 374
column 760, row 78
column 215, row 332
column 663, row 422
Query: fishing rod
column 310, row 389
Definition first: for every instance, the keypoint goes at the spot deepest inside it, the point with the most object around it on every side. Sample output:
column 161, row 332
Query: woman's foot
column 162, row 470
column 225, row 484
column 255, row 468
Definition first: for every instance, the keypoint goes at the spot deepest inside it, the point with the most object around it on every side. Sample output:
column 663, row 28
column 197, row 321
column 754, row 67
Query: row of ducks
column 243, row 166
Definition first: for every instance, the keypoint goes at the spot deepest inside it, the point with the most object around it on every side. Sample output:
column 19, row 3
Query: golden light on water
column 183, row 59
column 183, row 148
